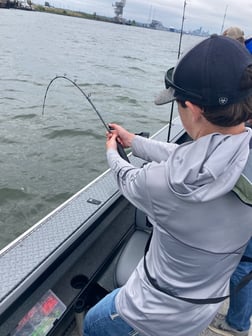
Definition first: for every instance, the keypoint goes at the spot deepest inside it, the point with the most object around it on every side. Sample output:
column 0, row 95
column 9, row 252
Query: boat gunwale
column 19, row 286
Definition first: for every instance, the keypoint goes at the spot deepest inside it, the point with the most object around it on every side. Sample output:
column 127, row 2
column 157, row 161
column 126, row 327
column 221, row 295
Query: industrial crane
column 119, row 5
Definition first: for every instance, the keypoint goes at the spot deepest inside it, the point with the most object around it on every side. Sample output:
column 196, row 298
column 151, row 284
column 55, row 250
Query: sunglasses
column 169, row 83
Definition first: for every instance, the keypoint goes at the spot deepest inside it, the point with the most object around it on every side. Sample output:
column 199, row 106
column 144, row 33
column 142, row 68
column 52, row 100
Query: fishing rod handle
column 120, row 149
column 122, row 152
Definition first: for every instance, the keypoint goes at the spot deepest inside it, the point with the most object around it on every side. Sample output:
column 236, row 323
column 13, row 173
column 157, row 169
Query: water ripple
column 136, row 69
column 132, row 58
column 65, row 133
column 25, row 116
column 4, row 140
column 61, row 197
column 11, row 194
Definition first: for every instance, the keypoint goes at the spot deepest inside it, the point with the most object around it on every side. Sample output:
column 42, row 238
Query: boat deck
column 223, row 311
column 206, row 332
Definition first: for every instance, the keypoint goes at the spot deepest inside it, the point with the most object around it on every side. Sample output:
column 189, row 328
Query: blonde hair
column 235, row 33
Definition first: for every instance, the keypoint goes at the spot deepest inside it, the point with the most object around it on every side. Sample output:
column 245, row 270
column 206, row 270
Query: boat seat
column 133, row 250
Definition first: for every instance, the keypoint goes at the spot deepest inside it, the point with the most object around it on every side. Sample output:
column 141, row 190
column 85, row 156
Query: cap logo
column 223, row 100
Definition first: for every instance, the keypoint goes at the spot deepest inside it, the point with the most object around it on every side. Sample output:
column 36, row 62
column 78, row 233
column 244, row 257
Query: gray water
column 46, row 159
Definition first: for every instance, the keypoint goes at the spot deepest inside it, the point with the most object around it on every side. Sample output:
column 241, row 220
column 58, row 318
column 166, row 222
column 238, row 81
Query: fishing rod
column 179, row 52
column 224, row 18
column 120, row 148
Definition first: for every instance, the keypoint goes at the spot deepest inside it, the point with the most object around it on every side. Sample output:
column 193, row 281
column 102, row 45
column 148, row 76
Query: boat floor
column 223, row 310
column 206, row 332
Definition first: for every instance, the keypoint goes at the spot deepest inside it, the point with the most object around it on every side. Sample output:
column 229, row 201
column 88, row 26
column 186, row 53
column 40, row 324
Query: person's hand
column 111, row 140
column 124, row 137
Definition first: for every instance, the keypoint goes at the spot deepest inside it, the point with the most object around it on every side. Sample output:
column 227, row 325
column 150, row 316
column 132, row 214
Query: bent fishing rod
column 120, row 148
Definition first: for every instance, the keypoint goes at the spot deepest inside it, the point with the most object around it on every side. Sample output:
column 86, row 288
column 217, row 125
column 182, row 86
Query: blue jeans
column 240, row 306
column 103, row 320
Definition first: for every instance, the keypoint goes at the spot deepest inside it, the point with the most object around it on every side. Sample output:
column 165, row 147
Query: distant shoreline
column 95, row 17
column 67, row 12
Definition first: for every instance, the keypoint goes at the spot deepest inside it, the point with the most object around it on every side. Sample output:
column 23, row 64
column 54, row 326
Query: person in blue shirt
column 248, row 44
column 237, row 321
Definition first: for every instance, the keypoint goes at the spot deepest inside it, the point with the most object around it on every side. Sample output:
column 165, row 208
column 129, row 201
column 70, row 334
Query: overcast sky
column 208, row 14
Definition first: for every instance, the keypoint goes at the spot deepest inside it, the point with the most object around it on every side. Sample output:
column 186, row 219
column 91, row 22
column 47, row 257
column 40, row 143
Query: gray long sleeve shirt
column 200, row 229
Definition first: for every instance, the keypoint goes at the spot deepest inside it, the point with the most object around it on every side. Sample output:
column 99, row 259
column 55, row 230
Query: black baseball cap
column 209, row 74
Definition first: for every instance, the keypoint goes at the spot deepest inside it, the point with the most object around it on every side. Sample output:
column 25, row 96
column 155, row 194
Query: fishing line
column 120, row 148
column 179, row 51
